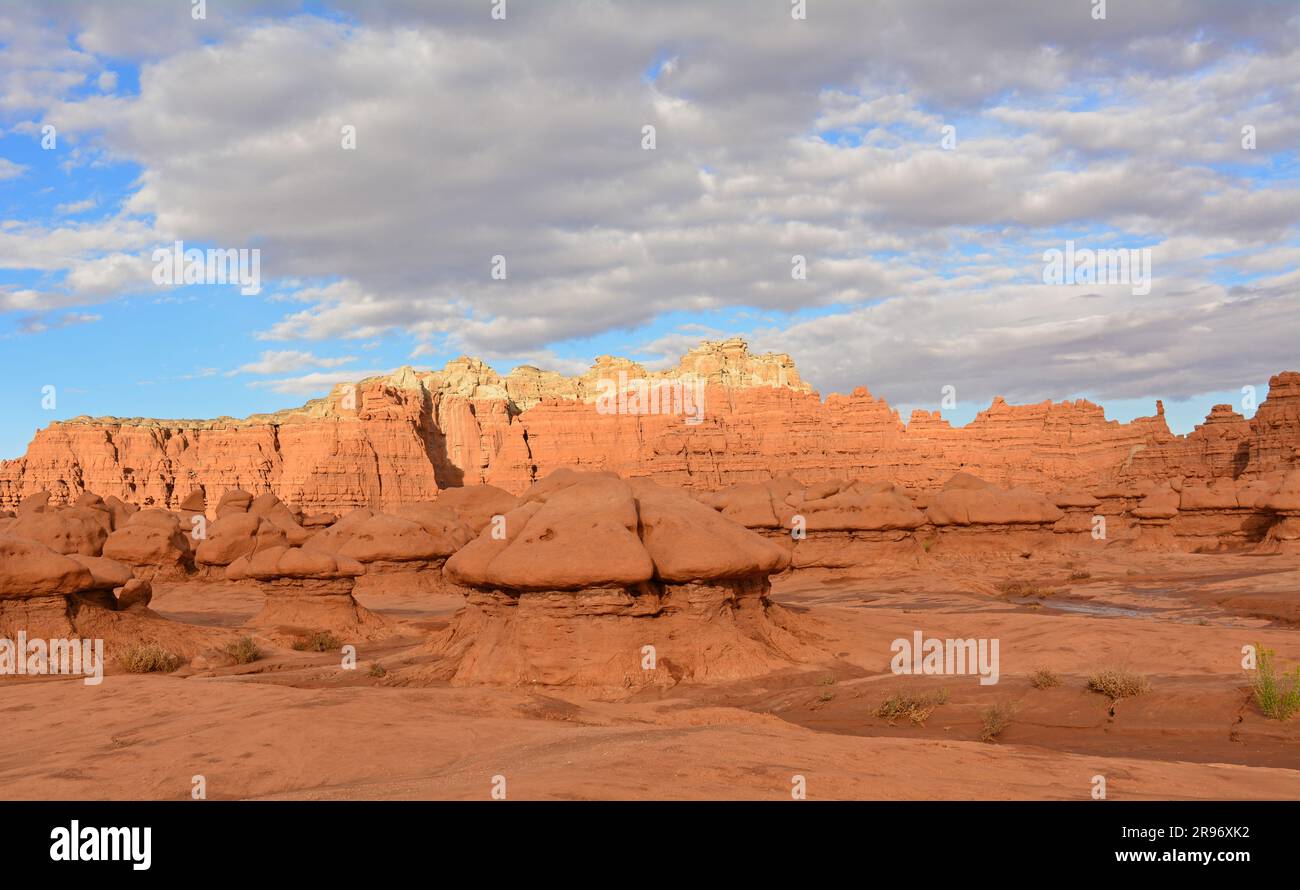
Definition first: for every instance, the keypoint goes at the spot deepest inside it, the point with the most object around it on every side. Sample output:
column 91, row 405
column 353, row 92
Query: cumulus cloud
column 314, row 383
column 287, row 361
column 36, row 324
column 74, row 207
column 774, row 138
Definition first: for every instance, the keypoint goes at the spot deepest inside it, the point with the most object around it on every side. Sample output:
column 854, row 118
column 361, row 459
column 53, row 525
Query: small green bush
column 1278, row 697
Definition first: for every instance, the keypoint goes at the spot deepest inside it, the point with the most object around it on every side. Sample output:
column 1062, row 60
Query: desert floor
column 294, row 725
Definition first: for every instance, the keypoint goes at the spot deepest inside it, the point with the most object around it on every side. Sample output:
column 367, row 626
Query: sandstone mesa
column 388, row 441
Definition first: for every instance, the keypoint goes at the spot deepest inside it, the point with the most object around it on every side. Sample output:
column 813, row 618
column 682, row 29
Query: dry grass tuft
column 1022, row 589
column 1044, row 678
column 244, row 651
column 996, row 719
column 916, row 708
column 1118, row 683
column 148, row 658
column 320, row 641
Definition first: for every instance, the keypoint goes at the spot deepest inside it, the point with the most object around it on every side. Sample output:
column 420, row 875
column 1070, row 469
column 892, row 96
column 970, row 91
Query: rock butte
column 396, row 440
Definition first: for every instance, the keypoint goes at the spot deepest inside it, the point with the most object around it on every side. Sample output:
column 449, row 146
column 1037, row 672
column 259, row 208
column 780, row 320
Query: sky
column 921, row 157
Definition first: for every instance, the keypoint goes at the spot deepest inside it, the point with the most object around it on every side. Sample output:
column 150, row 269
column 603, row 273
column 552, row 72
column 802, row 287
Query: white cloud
column 475, row 140
column 287, row 361
column 74, row 207
column 316, row 383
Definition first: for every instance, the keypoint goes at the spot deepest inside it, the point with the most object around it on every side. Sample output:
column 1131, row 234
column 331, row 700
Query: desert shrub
column 996, row 718
column 244, row 650
column 378, row 670
column 826, row 695
column 1080, row 575
column 1278, row 697
column 1044, row 678
column 319, row 641
column 1018, row 588
column 1118, row 683
column 148, row 658
column 916, row 708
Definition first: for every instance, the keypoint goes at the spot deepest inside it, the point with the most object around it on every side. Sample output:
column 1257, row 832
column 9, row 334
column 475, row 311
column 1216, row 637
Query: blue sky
column 522, row 139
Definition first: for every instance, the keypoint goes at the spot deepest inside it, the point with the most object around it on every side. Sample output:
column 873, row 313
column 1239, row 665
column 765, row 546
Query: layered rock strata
column 398, row 439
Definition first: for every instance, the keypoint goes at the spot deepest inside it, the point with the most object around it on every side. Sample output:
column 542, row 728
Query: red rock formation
column 306, row 591
column 1229, row 446
column 1274, row 440
column 1284, row 534
column 594, row 575
column 1155, row 516
column 399, row 439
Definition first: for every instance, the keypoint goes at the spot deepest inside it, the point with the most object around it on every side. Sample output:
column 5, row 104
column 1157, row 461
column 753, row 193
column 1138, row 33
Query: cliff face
column 1229, row 446
column 721, row 417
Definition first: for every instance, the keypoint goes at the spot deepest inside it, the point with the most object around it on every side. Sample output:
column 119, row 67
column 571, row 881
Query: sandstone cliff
column 392, row 440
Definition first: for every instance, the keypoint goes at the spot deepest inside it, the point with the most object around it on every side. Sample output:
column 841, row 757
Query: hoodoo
column 599, row 581
column 306, row 591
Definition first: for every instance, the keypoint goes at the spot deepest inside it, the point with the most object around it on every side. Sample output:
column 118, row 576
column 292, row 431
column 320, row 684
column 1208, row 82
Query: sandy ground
column 294, row 725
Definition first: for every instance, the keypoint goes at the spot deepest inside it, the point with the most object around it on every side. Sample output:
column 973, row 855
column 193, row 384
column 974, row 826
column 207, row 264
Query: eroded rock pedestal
column 307, row 592
column 602, row 582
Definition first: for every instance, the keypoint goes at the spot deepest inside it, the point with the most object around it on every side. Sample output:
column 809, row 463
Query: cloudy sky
column 522, row 137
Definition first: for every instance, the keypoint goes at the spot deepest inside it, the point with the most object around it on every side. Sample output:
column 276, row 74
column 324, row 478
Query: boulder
column 120, row 510
column 234, row 501
column 270, row 507
column 573, row 531
column 136, row 592
column 862, row 507
column 688, row 541
column 749, row 504
column 236, row 535
column 34, row 503
column 963, row 502
column 153, row 544
column 331, row 539
column 477, row 504
column 106, row 573
column 30, row 569
column 68, row 530
column 279, row 563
